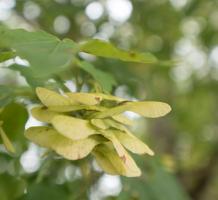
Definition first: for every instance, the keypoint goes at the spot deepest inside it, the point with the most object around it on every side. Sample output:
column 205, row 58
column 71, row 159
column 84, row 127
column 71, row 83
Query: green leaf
column 106, row 49
column 6, row 55
column 28, row 74
column 6, row 95
column 14, row 116
column 156, row 182
column 7, row 143
column 106, row 80
column 45, row 191
column 45, row 53
column 11, row 187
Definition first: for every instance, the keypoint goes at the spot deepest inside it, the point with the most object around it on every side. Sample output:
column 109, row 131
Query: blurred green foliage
column 185, row 142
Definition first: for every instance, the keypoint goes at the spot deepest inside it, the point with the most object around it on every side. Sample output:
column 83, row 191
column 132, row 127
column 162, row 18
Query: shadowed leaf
column 7, row 143
column 110, row 162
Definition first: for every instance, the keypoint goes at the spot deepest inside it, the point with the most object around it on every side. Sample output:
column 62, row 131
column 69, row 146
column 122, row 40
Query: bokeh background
column 185, row 142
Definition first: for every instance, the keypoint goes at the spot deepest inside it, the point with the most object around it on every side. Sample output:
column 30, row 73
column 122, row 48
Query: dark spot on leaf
column 98, row 99
column 132, row 54
column 123, row 158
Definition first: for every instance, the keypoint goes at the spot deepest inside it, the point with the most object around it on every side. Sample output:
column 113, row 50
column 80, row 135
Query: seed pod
column 92, row 123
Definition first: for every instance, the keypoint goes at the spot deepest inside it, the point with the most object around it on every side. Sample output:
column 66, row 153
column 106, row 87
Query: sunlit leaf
column 69, row 149
column 73, row 128
column 150, row 109
column 43, row 114
column 110, row 162
column 106, row 49
column 50, row 98
column 132, row 143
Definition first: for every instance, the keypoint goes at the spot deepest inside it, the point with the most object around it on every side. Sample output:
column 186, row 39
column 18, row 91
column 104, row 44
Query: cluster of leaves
column 48, row 56
column 185, row 141
column 81, row 123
